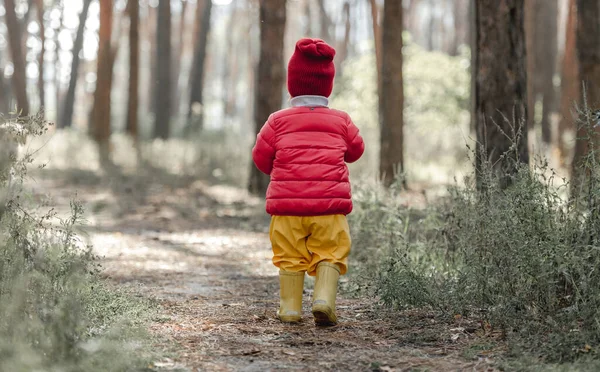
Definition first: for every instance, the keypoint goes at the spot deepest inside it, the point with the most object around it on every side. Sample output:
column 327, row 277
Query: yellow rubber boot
column 326, row 284
column 291, row 286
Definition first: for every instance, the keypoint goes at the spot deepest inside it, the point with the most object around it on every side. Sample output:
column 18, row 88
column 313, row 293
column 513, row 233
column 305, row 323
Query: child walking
column 305, row 150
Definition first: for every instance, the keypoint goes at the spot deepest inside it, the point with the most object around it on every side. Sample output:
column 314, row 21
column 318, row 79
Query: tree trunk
column 41, row 85
column 473, row 72
column 271, row 75
column 178, row 59
column 162, row 89
column 547, row 51
column 342, row 49
column 134, row 68
column 391, row 99
column 431, row 26
column 588, row 48
column 541, row 32
column 570, row 82
column 57, row 64
column 326, row 23
column 501, row 87
column 101, row 109
column 19, row 78
column 67, row 115
column 196, row 108
column 377, row 40
column 4, row 91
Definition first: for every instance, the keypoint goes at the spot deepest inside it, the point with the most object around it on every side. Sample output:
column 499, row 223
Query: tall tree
column 162, row 89
column 570, row 83
column 134, row 68
column 69, row 103
column 202, row 28
column 101, row 110
column 325, row 21
column 377, row 39
column 271, row 75
column 344, row 44
column 541, row 32
column 4, row 90
column 391, row 99
column 19, row 78
column 588, row 50
column 41, row 82
column 178, row 57
column 501, row 86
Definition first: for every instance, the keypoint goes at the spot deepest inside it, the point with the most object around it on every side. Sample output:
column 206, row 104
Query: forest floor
column 202, row 253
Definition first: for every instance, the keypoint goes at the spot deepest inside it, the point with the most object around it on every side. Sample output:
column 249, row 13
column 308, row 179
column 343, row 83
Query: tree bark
column 377, row 40
column 41, row 83
column 342, row 53
column 271, row 75
column 588, row 48
column 162, row 89
column 501, row 87
column 134, row 68
column 101, row 110
column 541, row 31
column 67, row 112
column 391, row 99
column 196, row 108
column 178, row 59
column 570, row 82
column 19, row 78
column 326, row 23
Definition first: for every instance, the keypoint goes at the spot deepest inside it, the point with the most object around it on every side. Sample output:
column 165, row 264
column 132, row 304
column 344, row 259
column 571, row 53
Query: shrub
column 521, row 258
column 55, row 312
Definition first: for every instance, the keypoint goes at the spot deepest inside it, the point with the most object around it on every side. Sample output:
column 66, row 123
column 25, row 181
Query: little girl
column 305, row 150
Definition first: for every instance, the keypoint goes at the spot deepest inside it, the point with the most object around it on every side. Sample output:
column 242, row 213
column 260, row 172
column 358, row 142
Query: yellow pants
column 301, row 243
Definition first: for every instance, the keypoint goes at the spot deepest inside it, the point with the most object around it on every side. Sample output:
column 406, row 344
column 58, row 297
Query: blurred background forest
column 187, row 71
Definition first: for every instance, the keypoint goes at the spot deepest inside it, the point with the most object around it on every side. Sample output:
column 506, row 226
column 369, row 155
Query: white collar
column 309, row 101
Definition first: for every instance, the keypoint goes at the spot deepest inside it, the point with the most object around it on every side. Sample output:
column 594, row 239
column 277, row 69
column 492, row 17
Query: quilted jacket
column 305, row 151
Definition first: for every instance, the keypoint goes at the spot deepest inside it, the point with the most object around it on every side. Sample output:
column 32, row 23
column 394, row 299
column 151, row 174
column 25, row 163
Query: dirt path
column 204, row 254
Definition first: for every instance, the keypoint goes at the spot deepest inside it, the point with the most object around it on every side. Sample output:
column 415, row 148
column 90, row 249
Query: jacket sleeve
column 263, row 152
column 356, row 145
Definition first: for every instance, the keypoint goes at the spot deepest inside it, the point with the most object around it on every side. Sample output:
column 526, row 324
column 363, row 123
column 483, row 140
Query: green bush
column 522, row 258
column 56, row 314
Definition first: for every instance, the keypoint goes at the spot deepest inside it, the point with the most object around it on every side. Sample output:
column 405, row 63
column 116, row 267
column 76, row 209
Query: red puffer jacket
column 305, row 150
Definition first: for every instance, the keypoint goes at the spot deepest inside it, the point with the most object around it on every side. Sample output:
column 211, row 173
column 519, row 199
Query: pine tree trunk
column 377, row 40
column 67, row 114
column 57, row 64
column 501, row 87
column 178, row 59
column 19, row 78
column 196, row 108
column 271, row 75
column 326, row 23
column 162, row 89
column 547, row 51
column 342, row 49
column 570, row 82
column 541, row 32
column 41, row 83
column 391, row 100
column 4, row 91
column 134, row 68
column 588, row 48
column 101, row 109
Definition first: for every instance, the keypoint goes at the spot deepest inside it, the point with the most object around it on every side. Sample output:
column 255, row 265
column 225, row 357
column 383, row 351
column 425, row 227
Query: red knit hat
column 311, row 69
